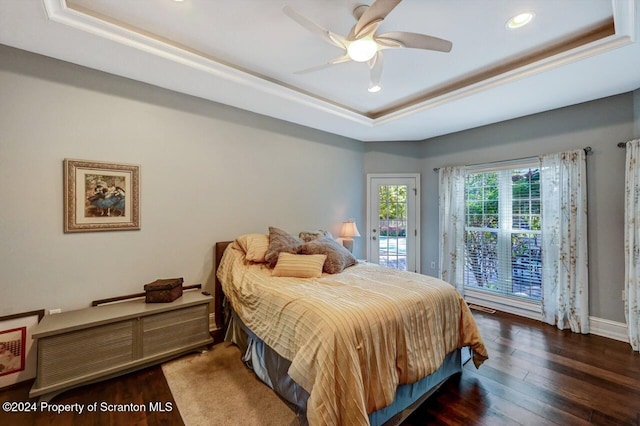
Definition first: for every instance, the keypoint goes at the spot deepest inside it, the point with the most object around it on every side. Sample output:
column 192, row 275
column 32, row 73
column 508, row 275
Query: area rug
column 215, row 388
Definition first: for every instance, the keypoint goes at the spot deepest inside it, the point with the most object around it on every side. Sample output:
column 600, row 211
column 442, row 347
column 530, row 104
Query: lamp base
column 348, row 244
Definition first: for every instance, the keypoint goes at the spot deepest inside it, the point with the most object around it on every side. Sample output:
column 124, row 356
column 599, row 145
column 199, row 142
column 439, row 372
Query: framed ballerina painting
column 101, row 196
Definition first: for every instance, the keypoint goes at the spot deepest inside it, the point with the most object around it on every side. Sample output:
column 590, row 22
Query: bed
column 362, row 346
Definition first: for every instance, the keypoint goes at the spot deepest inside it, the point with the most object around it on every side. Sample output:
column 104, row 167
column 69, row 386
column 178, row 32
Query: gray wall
column 208, row 173
column 600, row 124
column 393, row 157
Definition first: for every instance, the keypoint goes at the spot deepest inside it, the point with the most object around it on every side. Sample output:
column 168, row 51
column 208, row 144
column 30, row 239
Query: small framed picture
column 101, row 196
column 17, row 356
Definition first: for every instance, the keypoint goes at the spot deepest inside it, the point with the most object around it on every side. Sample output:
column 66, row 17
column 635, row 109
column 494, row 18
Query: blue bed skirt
column 272, row 369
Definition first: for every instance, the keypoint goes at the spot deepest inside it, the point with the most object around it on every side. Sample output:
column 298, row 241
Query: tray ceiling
column 245, row 53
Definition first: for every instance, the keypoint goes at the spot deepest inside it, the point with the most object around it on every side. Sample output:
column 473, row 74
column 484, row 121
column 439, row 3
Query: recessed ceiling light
column 520, row 20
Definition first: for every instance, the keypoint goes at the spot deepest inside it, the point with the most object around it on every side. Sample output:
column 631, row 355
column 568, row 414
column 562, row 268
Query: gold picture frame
column 101, row 196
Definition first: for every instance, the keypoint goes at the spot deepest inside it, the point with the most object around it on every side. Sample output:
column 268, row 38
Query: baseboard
column 610, row 329
column 597, row 326
column 503, row 304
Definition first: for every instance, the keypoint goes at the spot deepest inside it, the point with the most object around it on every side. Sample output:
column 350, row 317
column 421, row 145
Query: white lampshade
column 349, row 230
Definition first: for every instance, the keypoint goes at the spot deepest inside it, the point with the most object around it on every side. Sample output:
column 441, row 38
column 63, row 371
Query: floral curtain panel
column 632, row 243
column 565, row 278
column 451, row 202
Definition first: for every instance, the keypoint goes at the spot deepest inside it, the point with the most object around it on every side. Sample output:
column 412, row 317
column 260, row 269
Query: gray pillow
column 338, row 257
column 312, row 235
column 280, row 241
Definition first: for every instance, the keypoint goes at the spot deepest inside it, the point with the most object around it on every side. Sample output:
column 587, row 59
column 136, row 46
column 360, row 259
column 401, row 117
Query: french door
column 393, row 235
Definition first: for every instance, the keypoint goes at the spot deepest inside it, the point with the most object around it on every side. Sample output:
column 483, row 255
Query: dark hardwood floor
column 539, row 375
column 536, row 375
column 137, row 388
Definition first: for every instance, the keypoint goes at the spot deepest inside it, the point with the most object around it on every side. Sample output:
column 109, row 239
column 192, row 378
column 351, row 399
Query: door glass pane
column 392, row 226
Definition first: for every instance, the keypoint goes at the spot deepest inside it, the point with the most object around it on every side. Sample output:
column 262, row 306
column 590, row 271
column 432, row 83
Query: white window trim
column 504, row 165
column 513, row 305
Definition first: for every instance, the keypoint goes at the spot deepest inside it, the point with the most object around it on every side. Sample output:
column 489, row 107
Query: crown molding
column 58, row 11
column 624, row 14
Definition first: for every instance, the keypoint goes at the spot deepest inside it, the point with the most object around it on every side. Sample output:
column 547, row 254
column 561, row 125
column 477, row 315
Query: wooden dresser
column 97, row 343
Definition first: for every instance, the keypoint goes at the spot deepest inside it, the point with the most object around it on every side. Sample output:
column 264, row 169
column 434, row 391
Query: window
column 502, row 231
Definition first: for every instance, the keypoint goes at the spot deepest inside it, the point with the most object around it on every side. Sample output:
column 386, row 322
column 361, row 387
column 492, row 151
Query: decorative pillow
column 254, row 246
column 299, row 265
column 280, row 241
column 338, row 257
column 310, row 236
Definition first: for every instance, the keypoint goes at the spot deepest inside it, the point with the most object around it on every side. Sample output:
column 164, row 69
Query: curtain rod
column 622, row 144
column 587, row 151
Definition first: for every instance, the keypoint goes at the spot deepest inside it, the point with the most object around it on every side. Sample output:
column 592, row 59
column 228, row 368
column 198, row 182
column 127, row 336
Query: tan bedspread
column 352, row 337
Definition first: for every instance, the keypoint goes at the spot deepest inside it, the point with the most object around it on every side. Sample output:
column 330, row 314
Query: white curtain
column 451, row 202
column 632, row 243
column 565, row 277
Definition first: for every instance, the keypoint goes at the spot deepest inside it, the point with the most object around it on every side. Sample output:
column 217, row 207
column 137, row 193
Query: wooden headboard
column 218, row 295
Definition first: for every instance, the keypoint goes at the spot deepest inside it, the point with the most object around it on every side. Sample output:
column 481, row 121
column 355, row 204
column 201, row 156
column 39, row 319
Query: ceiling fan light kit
column 362, row 50
column 363, row 44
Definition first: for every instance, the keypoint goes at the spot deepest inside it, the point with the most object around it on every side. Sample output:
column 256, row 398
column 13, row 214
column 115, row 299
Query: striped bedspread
column 352, row 337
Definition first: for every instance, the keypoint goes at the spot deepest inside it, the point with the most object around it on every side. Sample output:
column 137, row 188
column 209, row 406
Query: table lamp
column 349, row 230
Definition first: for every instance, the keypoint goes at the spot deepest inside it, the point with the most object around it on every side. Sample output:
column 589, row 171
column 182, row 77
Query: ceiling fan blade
column 375, row 68
column 372, row 17
column 413, row 41
column 338, row 60
column 326, row 35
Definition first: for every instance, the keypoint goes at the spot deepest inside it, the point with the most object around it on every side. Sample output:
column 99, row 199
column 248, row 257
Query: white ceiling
column 245, row 53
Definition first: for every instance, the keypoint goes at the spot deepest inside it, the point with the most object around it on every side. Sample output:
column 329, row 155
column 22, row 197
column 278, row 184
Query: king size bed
column 344, row 342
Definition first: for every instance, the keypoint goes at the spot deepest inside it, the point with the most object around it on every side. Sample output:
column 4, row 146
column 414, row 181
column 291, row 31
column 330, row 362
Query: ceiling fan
column 362, row 44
